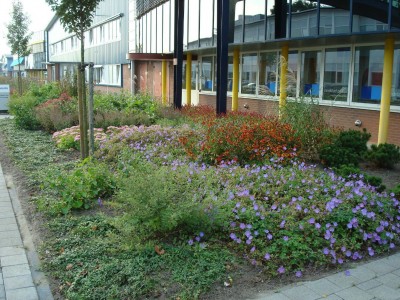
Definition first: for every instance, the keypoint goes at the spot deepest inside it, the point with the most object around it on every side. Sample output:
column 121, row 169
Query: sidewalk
column 379, row 280
column 19, row 279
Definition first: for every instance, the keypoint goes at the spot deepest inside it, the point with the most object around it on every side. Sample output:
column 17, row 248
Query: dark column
column 280, row 19
column 222, row 54
column 178, row 52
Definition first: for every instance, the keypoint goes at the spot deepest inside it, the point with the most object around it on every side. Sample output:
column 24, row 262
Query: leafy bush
column 159, row 202
column 23, row 107
column 309, row 124
column 57, row 114
column 384, row 155
column 121, row 118
column 396, row 191
column 243, row 138
column 85, row 185
column 348, row 148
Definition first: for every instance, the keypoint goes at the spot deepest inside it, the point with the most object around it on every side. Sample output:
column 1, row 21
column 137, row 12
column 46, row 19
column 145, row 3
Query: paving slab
column 370, row 284
column 385, row 293
column 390, row 280
column 23, row 281
column 2, row 292
column 354, row 293
column 13, row 260
column 9, row 251
column 18, row 270
column 9, row 234
column 28, row 293
column 8, row 227
column 380, row 267
column 323, row 287
column 15, row 241
column 305, row 292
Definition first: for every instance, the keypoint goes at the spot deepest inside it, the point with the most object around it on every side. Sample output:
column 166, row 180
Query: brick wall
column 337, row 116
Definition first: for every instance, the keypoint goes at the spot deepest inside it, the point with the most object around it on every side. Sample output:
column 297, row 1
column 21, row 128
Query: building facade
column 343, row 54
column 35, row 62
column 106, row 46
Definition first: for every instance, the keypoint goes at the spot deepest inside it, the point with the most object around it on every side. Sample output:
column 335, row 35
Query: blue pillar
column 178, row 52
column 222, row 54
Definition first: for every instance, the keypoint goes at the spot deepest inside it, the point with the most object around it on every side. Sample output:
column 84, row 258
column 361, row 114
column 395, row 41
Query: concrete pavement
column 378, row 280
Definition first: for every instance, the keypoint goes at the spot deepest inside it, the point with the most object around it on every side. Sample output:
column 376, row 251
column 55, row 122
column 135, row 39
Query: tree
column 76, row 16
column 298, row 5
column 18, row 36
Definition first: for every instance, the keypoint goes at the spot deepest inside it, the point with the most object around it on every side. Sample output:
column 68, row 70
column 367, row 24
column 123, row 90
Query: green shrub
column 57, row 114
column 348, row 148
column 23, row 107
column 23, row 110
column 309, row 124
column 121, row 118
column 85, row 185
column 160, row 202
column 384, row 155
column 396, row 191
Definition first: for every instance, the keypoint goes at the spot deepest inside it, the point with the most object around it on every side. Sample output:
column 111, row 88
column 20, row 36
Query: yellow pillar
column 235, row 82
column 386, row 90
column 164, row 82
column 189, row 79
column 283, row 82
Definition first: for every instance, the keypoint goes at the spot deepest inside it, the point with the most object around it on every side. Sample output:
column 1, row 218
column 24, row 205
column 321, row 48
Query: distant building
column 106, row 46
column 35, row 63
column 5, row 65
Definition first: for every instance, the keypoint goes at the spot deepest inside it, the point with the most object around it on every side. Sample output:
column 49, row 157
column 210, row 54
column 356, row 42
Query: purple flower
column 325, row 251
column 269, row 236
column 233, row 236
column 190, row 242
column 371, row 251
column 242, row 226
column 317, row 225
column 100, row 202
column 311, row 221
column 267, row 256
column 253, row 249
column 299, row 274
column 282, row 224
column 281, row 270
column 347, row 273
column 285, row 238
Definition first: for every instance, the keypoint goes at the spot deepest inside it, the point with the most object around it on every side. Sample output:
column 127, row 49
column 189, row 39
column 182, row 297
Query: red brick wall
column 337, row 116
column 149, row 78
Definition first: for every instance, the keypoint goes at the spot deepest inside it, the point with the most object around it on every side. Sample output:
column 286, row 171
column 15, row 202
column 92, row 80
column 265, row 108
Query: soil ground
column 248, row 281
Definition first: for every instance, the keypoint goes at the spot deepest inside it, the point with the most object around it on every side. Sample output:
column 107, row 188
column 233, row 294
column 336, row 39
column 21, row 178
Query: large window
column 396, row 78
column 206, row 23
column 291, row 75
column 254, row 20
column 207, row 78
column 238, row 31
column 368, row 72
column 310, row 73
column 249, row 73
column 193, row 24
column 336, row 74
column 268, row 74
column 108, row 75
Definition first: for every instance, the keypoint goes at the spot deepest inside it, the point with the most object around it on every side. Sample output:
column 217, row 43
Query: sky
column 37, row 11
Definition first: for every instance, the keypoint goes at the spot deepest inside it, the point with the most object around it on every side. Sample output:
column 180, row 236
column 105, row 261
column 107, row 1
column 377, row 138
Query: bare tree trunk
column 83, row 124
column 19, row 78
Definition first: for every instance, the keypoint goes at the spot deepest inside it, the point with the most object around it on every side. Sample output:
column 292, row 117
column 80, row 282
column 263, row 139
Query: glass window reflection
column 310, row 73
column 249, row 74
column 268, row 74
column 238, row 31
column 336, row 74
column 254, row 20
column 206, row 23
column 396, row 78
column 193, row 31
column 303, row 18
column 207, row 73
column 368, row 73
